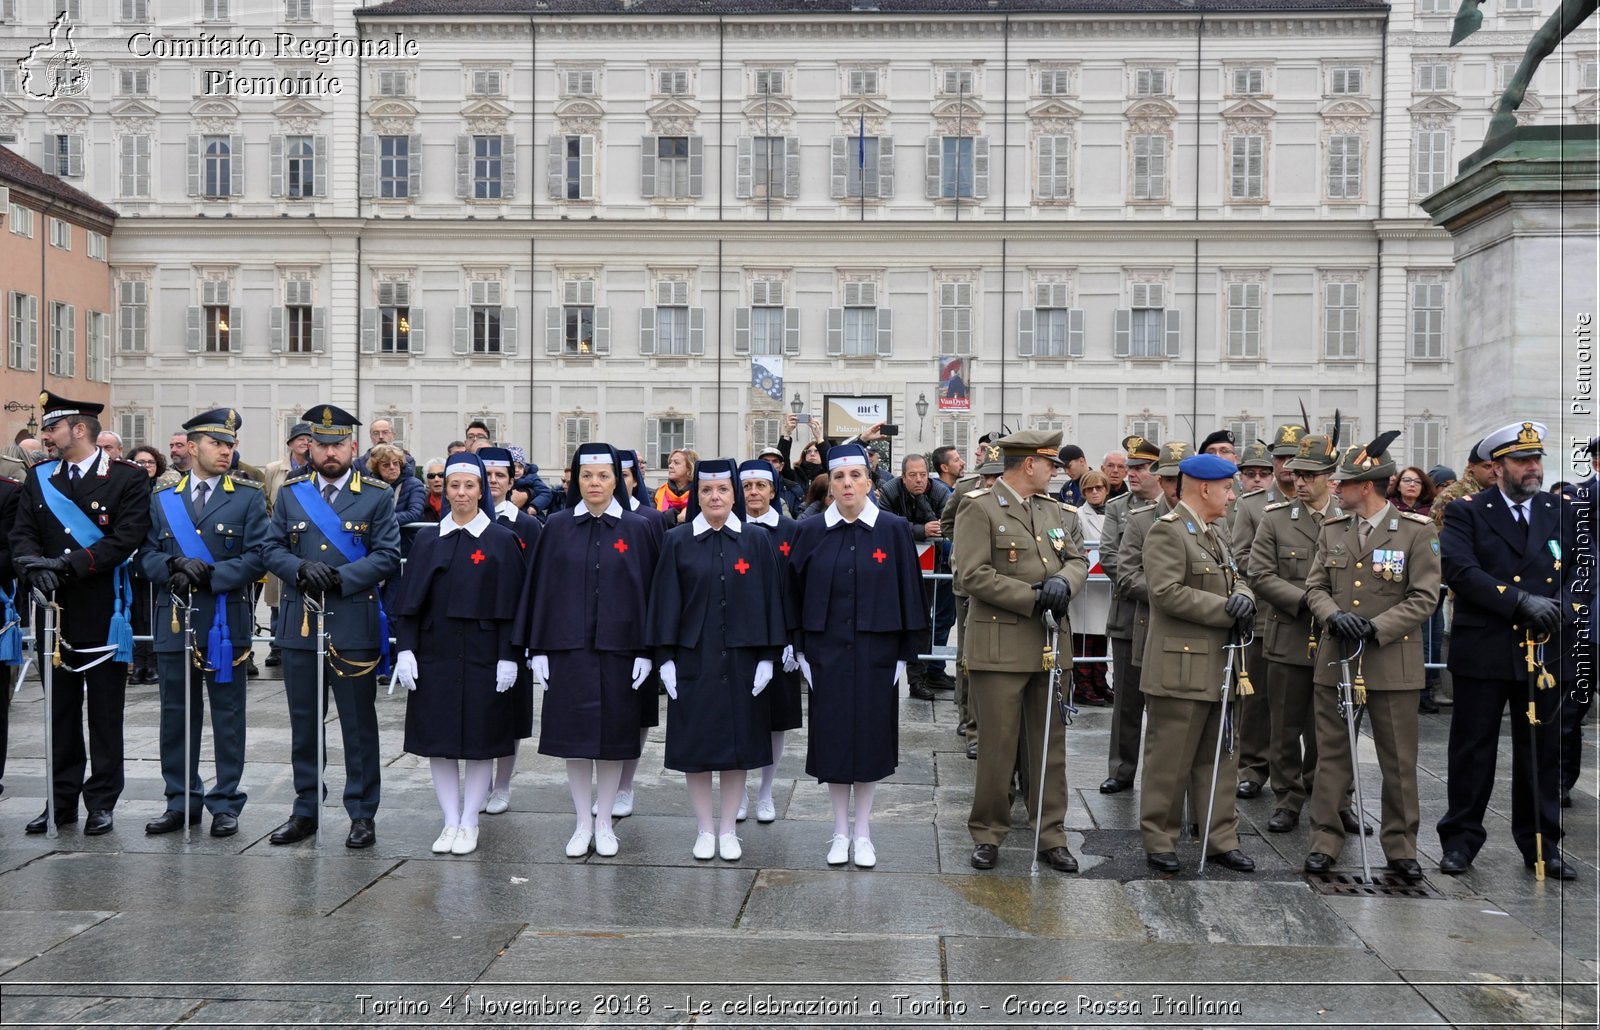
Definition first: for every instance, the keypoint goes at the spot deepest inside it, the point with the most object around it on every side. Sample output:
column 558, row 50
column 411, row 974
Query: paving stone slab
column 1493, row 999
column 30, row 934
column 1452, row 936
column 65, row 1008
column 1015, row 906
column 1570, row 923
column 1272, row 986
column 579, row 897
column 387, row 1005
column 891, row 803
column 784, row 844
column 1259, row 914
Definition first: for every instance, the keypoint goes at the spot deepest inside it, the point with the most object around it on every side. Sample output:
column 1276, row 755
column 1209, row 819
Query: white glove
column 539, row 665
column 641, row 670
column 763, row 677
column 805, row 670
column 405, row 671
column 789, row 664
column 669, row 678
column 505, row 676
column 899, row 672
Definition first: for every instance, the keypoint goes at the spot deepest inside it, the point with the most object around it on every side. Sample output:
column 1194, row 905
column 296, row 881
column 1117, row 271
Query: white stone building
column 578, row 218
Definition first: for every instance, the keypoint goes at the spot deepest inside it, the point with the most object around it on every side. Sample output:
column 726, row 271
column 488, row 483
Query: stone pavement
column 129, row 929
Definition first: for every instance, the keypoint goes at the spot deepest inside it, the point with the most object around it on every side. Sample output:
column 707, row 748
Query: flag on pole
column 861, row 150
column 766, row 376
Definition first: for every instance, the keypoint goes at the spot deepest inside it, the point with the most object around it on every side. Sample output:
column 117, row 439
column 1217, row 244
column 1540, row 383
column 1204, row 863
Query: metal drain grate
column 1383, row 885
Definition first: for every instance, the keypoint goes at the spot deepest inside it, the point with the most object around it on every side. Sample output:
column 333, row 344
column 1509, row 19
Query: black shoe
column 1427, row 706
column 1566, row 799
column 1454, row 863
column 1317, row 862
column 362, row 834
column 1112, row 785
column 1248, row 789
column 984, row 856
column 168, row 821
column 1059, row 859
column 1236, row 860
column 938, row 679
column 1407, row 868
column 274, row 659
column 961, row 729
column 224, row 825
column 972, row 750
column 297, row 828
column 1555, row 869
column 97, row 823
column 1347, row 819
column 1282, row 821
column 921, row 691
column 1162, row 861
column 250, row 668
column 38, row 825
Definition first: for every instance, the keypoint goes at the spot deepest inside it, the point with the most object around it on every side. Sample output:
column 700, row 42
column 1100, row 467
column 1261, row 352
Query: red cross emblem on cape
column 879, row 555
column 477, row 557
column 621, row 546
column 784, row 547
column 741, row 566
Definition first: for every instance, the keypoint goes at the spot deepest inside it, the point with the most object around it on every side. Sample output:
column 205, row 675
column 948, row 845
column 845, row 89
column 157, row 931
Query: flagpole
column 861, row 162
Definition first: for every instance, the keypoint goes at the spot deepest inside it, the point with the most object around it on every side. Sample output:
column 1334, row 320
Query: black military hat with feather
column 1371, row 463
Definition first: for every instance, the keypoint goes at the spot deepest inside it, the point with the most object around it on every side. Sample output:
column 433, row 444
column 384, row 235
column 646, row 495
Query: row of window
column 19, row 220
column 22, row 335
column 138, row 11
column 859, row 328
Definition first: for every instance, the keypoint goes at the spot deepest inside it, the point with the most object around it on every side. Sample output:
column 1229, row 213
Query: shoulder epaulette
column 1171, row 516
column 130, row 464
column 1331, row 519
column 1142, row 507
column 375, row 482
column 1415, row 517
column 980, row 491
column 238, row 481
column 1252, row 493
column 1274, row 506
column 1070, row 507
column 298, row 477
column 8, row 479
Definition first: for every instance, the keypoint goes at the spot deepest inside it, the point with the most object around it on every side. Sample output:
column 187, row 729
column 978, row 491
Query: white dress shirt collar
column 613, row 509
column 832, row 516
column 769, row 518
column 701, row 526
column 475, row 528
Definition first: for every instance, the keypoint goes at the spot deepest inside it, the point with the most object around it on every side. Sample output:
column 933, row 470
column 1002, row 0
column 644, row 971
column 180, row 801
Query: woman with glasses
column 1412, row 491
column 434, row 506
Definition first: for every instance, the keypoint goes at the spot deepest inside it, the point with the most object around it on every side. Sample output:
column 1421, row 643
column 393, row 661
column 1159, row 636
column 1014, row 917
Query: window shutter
column 75, row 155
column 369, row 166
column 1123, row 332
column 586, row 167
column 835, row 332
column 277, row 165
column 688, row 433
column 885, row 167
column 416, row 339
column 194, row 166
column 602, row 330
column 647, row 166
column 462, row 343
column 697, row 330
column 414, row 166
column 508, row 330
column 1075, row 347
column 696, row 167
column 554, row 325
column 647, row 330
column 508, row 167
column 980, row 167
column 279, row 334
column 839, row 168
column 191, row 325
column 1174, row 332
column 744, row 165
column 319, row 330
column 885, row 332
column 932, row 153
column 556, row 168
column 369, row 330
column 791, row 167
column 463, row 167
column 320, row 156
column 741, row 330
column 235, row 334
column 1025, row 333
column 652, row 443
column 1047, row 167
column 791, row 331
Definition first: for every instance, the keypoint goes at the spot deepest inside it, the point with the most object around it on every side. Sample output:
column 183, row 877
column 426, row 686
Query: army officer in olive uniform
column 1015, row 558
column 1197, row 599
column 1374, row 582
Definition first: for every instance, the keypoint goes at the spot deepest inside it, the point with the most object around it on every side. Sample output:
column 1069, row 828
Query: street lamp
column 15, row 406
column 795, row 403
column 922, row 412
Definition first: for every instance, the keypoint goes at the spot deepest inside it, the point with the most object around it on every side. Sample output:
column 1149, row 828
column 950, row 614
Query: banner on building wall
column 953, row 384
column 766, row 379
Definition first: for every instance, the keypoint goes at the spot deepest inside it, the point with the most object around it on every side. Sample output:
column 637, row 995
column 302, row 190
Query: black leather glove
column 1542, row 614
column 1054, row 596
column 1240, row 608
column 315, row 575
column 196, row 570
column 1347, row 626
column 43, row 574
column 44, row 580
column 179, row 582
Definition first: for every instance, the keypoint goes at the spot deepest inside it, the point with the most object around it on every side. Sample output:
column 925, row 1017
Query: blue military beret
column 1207, row 466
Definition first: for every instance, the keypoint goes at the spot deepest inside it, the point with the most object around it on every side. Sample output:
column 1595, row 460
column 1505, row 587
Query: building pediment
column 1437, row 106
column 673, row 117
column 1248, row 109
column 134, row 109
column 1151, row 110
column 1588, row 109
column 1054, row 108
column 579, row 107
column 10, row 110
column 297, row 108
column 757, row 108
column 1347, row 107
column 486, row 109
column 214, row 108
column 963, row 108
column 65, row 108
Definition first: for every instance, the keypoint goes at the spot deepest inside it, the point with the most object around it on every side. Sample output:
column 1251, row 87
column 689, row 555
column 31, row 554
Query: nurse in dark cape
column 640, row 504
column 759, row 482
column 583, row 623
column 716, row 622
column 458, row 596
column 497, row 468
column 861, row 616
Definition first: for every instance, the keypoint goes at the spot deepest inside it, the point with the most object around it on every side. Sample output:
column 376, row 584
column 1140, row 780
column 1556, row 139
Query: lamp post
column 922, row 413
column 795, row 403
column 33, row 424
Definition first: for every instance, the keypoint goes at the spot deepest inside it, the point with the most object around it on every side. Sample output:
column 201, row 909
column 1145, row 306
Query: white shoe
column 594, row 808
column 499, row 801
column 866, row 855
column 766, row 811
column 578, row 845
column 744, row 807
column 446, row 836
column 622, row 806
column 839, row 852
column 705, row 846
column 605, row 843
column 466, row 841
column 728, row 847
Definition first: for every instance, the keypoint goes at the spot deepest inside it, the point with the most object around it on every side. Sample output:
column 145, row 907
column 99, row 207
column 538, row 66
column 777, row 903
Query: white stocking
column 700, row 800
column 479, row 776
column 732, row 783
column 770, row 773
column 504, row 768
column 839, row 794
column 579, row 774
column 447, row 784
column 607, row 775
column 631, row 766
column 864, row 794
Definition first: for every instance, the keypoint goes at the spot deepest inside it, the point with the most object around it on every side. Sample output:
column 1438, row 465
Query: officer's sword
column 319, row 611
column 47, row 676
column 1237, row 642
column 1053, row 656
column 188, row 701
column 1538, row 679
column 1347, row 705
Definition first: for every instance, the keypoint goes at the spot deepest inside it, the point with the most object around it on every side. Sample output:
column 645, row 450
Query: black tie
column 201, row 491
column 328, row 493
column 1522, row 523
column 73, row 475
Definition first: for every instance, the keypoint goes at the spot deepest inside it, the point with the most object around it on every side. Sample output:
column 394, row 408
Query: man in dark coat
column 918, row 498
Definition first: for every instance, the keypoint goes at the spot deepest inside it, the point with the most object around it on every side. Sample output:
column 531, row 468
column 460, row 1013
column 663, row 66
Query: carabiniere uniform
column 226, row 534
column 355, row 534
